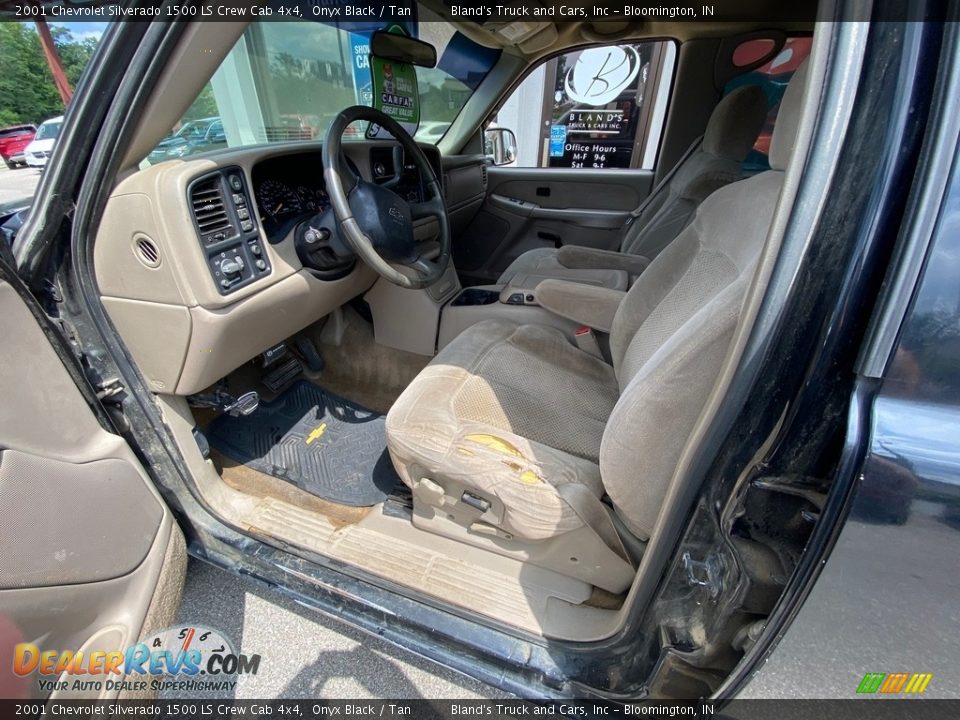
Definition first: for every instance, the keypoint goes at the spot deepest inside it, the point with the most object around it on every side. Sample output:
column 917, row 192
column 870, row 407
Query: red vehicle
column 13, row 140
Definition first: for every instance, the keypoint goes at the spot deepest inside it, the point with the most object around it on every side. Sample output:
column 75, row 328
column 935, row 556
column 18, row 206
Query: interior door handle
column 514, row 205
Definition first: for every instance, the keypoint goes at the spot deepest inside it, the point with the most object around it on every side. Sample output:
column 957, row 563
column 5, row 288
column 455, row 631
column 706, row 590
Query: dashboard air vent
column 483, row 176
column 208, row 207
column 147, row 252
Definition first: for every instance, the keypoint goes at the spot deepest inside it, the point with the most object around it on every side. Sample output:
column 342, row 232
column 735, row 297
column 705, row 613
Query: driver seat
column 512, row 437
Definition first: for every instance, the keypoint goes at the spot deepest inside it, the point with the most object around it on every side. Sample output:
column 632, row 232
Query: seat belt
column 587, row 341
column 641, row 208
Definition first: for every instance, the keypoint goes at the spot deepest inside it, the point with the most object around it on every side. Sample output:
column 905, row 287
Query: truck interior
column 470, row 363
column 463, row 410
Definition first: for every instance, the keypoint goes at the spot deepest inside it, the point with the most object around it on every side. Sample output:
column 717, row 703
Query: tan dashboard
column 195, row 298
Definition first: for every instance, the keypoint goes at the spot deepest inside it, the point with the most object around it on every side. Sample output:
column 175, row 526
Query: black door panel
column 528, row 208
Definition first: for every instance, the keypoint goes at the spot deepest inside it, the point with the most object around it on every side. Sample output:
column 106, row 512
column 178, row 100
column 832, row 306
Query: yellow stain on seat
column 524, row 474
column 494, row 443
column 316, row 433
column 529, row 477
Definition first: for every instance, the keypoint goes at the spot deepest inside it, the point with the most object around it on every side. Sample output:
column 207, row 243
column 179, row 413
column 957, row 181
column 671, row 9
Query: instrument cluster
column 289, row 189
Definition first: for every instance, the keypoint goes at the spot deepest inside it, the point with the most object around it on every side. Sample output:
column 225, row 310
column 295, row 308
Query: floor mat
column 326, row 445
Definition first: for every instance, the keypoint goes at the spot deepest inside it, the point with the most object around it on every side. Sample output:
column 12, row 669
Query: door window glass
column 593, row 108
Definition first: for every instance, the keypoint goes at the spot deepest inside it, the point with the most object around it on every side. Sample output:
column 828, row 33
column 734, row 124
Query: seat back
column 716, row 160
column 673, row 330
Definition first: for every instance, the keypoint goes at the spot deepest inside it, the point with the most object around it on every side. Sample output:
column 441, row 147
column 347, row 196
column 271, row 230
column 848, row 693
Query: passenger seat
column 711, row 162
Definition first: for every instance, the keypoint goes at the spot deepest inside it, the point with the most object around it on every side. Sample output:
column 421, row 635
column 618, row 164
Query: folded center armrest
column 588, row 305
column 586, row 258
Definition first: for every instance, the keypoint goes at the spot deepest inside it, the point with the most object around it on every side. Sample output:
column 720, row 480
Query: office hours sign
column 596, row 104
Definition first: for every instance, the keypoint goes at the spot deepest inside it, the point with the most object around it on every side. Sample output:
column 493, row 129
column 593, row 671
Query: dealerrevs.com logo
column 182, row 658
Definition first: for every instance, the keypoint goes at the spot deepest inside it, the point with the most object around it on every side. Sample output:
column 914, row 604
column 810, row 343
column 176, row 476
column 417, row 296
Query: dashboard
column 288, row 189
column 196, row 259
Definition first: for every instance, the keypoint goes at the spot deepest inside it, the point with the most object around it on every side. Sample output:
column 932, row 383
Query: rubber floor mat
column 323, row 444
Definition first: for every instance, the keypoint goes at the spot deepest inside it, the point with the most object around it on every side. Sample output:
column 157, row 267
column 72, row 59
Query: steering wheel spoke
column 425, row 266
column 431, row 208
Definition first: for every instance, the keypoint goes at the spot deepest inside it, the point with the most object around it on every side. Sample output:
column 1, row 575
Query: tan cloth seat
column 511, row 411
column 511, row 414
column 714, row 161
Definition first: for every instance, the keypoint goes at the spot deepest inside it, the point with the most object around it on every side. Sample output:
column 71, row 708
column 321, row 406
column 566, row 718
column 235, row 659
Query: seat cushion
column 510, row 412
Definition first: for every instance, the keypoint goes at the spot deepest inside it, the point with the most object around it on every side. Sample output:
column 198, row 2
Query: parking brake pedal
column 224, row 402
column 243, row 405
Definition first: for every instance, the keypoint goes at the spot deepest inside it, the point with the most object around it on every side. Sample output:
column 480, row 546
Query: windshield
column 286, row 81
column 48, row 131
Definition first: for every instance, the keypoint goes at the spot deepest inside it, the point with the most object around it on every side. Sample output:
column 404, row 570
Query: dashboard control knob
column 231, row 267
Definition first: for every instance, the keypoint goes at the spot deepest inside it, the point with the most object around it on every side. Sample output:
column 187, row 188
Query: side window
column 773, row 78
column 595, row 108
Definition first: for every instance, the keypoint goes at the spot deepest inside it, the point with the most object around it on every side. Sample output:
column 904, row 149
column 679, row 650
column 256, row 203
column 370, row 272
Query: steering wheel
column 375, row 221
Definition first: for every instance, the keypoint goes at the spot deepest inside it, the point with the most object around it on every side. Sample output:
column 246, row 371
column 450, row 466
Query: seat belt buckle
column 586, row 340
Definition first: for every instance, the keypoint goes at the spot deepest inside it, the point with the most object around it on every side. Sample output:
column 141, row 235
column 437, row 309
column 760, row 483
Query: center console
column 489, row 302
column 425, row 321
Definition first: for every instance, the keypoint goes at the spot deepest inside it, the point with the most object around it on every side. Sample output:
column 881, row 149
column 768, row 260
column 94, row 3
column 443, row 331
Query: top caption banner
column 525, row 12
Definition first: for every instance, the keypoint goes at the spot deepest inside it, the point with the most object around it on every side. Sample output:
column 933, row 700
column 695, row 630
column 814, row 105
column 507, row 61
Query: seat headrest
column 735, row 123
column 788, row 119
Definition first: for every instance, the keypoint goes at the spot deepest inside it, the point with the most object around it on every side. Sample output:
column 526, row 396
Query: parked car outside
column 193, row 137
column 38, row 152
column 13, row 141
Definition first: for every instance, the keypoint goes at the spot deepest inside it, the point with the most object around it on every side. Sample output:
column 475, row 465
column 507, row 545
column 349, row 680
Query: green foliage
column 203, row 107
column 27, row 90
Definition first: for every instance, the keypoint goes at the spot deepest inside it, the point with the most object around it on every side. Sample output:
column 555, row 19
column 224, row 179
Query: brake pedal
column 273, row 355
column 282, row 375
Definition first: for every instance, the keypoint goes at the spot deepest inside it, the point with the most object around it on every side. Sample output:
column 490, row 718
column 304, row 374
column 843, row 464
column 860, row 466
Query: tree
column 27, row 91
column 203, row 107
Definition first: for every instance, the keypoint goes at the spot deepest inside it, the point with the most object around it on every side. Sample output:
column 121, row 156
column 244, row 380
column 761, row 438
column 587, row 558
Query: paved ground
column 306, row 655
column 16, row 185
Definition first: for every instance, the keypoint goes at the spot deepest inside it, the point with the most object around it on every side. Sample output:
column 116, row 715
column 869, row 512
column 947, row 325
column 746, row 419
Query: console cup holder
column 476, row 296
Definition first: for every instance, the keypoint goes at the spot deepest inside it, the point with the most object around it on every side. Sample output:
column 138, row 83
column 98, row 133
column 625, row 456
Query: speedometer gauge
column 276, row 199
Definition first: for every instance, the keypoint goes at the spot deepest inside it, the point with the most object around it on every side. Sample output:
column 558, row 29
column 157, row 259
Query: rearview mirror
column 500, row 144
column 401, row 48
